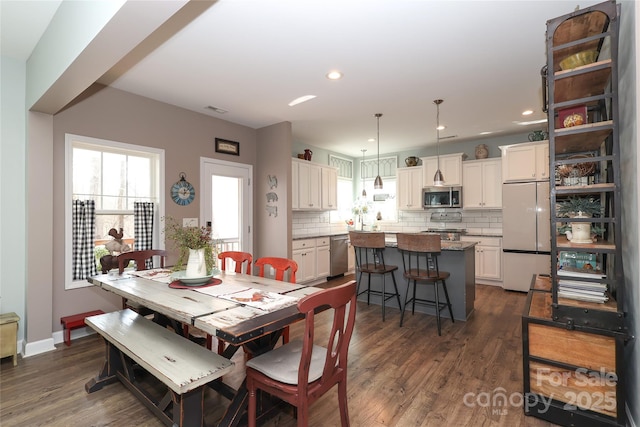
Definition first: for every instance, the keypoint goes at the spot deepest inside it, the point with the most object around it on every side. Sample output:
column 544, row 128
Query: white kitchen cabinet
column 450, row 166
column 409, row 188
column 488, row 258
column 323, row 258
column 482, row 184
column 329, row 197
column 304, row 254
column 528, row 161
column 314, row 186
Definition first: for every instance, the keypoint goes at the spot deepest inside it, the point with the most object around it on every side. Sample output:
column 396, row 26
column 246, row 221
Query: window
column 384, row 200
column 345, row 189
column 114, row 176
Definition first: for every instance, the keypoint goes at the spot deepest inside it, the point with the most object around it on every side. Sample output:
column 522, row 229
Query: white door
column 227, row 201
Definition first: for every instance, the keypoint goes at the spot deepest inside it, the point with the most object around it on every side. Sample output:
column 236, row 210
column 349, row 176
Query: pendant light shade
column 364, row 192
column 438, row 178
column 377, row 184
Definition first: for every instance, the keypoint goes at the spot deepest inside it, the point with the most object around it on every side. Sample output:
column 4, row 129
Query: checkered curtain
column 143, row 228
column 83, row 229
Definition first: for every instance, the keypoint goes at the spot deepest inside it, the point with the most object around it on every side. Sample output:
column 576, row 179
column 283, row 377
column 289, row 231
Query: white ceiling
column 252, row 57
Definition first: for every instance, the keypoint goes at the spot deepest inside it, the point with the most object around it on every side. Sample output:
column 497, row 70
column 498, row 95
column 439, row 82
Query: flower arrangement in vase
column 197, row 249
column 360, row 209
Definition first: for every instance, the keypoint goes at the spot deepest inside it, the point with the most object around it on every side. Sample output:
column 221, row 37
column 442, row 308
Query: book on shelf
column 581, row 296
column 581, row 272
column 578, row 284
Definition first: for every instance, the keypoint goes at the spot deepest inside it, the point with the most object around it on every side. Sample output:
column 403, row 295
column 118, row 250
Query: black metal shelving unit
column 584, row 152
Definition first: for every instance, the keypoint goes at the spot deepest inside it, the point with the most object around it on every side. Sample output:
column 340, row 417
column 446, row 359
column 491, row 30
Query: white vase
column 196, row 264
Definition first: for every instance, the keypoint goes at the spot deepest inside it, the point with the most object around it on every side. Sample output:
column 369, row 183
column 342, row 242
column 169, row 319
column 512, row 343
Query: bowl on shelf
column 579, row 59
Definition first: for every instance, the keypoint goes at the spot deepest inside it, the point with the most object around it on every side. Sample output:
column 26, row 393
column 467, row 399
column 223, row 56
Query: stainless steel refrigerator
column 526, row 236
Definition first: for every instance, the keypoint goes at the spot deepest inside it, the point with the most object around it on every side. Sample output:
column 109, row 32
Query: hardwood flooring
column 405, row 376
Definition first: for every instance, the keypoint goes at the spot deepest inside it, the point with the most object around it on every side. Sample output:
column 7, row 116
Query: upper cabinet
column 482, row 184
column 314, row 186
column 528, row 161
column 450, row 166
column 409, row 188
column 329, row 197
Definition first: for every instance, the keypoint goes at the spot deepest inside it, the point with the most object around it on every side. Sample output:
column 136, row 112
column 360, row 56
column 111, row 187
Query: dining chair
column 301, row 371
column 369, row 253
column 420, row 261
column 239, row 258
column 140, row 258
column 280, row 265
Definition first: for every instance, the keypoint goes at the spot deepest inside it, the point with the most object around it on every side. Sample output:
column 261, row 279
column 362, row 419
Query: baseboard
column 58, row 337
column 38, row 347
column 43, row 346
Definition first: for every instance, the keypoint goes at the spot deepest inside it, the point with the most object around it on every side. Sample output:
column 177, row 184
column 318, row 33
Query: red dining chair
column 280, row 265
column 301, row 371
column 140, row 258
column 238, row 257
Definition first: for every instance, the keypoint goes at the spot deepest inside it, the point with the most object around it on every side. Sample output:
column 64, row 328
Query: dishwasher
column 339, row 246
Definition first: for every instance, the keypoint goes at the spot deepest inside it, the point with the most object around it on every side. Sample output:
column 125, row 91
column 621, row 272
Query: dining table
column 244, row 311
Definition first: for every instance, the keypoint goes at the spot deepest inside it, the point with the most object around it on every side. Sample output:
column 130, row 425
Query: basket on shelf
column 577, row 173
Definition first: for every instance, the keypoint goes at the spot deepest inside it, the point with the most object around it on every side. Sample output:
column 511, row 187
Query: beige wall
column 120, row 116
column 274, row 146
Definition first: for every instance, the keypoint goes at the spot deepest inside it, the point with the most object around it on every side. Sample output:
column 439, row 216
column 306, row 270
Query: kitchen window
column 111, row 176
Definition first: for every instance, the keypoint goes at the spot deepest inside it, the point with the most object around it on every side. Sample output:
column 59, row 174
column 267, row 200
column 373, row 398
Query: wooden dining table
column 245, row 311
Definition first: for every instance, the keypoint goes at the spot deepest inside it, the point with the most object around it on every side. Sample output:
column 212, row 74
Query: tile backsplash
column 474, row 221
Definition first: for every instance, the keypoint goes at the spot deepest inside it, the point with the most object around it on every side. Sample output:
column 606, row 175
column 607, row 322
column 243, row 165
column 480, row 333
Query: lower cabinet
column 313, row 257
column 573, row 375
column 488, row 258
column 323, row 257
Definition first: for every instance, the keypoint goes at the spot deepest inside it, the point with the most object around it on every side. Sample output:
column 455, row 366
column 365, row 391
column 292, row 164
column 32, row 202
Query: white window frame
column 68, row 190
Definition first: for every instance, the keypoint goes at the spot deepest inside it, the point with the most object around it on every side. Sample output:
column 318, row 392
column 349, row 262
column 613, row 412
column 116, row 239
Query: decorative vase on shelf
column 307, row 154
column 196, row 264
column 411, row 161
column 482, row 151
column 538, row 135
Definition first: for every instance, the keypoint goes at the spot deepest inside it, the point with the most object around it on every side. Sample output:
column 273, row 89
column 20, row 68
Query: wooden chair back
column 140, row 258
column 342, row 300
column 280, row 265
column 420, row 255
column 238, row 257
column 369, row 251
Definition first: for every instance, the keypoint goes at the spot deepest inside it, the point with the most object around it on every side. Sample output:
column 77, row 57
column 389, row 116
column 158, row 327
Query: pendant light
column 377, row 184
column 438, row 178
column 364, row 192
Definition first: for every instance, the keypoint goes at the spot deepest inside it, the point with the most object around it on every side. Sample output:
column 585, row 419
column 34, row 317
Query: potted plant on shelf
column 196, row 248
column 580, row 207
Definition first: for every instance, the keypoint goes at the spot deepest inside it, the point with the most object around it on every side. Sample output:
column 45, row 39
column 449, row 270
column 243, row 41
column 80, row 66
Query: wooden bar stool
column 420, row 260
column 369, row 250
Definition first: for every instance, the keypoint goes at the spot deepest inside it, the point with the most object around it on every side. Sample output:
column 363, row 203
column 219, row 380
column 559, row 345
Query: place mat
column 177, row 284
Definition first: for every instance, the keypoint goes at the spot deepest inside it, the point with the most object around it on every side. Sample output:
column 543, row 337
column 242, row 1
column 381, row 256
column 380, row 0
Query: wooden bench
column 183, row 366
column 75, row 321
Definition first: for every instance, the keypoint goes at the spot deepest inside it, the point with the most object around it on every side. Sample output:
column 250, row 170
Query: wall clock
column 182, row 192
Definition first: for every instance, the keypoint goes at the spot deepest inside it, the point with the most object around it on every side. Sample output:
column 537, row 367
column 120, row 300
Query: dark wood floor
column 405, row 376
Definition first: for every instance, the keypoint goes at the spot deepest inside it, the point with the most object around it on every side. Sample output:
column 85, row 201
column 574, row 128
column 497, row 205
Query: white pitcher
column 196, row 264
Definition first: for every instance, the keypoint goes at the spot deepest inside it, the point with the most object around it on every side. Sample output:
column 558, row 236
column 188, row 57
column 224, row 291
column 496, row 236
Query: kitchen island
column 458, row 258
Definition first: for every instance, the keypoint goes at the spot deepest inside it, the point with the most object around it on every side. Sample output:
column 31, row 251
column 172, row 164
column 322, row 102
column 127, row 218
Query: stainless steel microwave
column 442, row 197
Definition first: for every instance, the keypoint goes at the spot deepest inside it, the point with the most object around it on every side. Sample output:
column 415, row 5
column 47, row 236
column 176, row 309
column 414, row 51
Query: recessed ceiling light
column 527, row 112
column 216, row 109
column 301, row 100
column 371, row 140
column 334, row 75
column 486, row 132
column 532, row 122
column 441, row 127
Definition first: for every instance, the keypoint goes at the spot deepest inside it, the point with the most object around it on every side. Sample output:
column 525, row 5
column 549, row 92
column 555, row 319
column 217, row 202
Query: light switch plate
column 189, row 222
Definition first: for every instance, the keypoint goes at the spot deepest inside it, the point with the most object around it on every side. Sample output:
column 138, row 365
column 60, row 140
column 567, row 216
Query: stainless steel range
column 448, row 234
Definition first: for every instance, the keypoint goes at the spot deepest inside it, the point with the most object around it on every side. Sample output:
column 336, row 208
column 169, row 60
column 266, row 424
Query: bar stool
column 369, row 251
column 420, row 261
